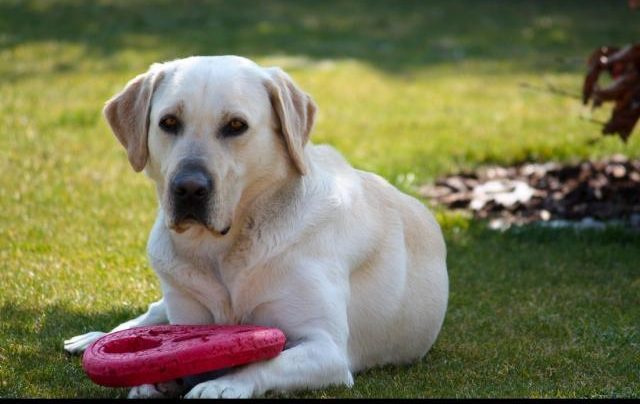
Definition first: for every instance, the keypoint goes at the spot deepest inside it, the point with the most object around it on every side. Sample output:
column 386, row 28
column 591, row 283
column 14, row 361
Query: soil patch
column 590, row 192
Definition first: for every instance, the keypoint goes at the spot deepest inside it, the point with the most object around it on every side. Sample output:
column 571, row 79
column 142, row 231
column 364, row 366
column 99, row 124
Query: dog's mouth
column 189, row 221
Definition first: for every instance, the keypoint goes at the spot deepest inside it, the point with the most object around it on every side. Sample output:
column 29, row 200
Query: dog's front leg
column 314, row 363
column 313, row 316
column 156, row 314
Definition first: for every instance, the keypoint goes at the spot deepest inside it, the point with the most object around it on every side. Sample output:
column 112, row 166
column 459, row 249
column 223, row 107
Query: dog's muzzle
column 191, row 189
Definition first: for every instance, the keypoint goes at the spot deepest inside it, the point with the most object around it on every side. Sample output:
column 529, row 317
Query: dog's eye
column 170, row 123
column 234, row 127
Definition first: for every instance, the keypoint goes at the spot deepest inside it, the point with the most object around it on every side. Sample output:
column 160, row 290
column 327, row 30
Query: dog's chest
column 229, row 290
column 226, row 298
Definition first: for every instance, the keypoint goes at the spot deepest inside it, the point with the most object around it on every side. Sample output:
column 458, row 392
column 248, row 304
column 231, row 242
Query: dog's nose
column 191, row 186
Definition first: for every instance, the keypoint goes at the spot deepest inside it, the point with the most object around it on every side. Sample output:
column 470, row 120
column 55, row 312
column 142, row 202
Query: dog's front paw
column 79, row 343
column 221, row 388
column 146, row 391
column 170, row 389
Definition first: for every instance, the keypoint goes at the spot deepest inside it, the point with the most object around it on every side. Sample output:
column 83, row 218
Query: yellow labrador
column 257, row 225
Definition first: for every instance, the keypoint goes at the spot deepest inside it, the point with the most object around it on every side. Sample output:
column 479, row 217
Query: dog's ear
column 128, row 115
column 295, row 111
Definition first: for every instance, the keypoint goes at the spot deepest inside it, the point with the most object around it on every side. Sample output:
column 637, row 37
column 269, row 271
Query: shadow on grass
column 532, row 312
column 394, row 36
column 33, row 350
column 537, row 312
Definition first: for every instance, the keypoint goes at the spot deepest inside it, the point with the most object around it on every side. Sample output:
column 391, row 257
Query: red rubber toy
column 158, row 354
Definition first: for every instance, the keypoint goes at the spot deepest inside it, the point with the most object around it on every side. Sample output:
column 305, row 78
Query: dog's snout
column 192, row 186
column 190, row 190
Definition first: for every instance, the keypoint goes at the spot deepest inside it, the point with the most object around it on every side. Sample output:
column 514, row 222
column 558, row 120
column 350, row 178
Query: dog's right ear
column 128, row 115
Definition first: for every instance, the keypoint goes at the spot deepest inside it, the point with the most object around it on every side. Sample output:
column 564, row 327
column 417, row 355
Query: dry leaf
column 623, row 66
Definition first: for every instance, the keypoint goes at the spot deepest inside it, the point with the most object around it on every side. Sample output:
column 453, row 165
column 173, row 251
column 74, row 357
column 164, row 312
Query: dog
column 256, row 225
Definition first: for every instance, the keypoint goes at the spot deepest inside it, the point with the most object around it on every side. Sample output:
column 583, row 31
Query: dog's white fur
column 351, row 269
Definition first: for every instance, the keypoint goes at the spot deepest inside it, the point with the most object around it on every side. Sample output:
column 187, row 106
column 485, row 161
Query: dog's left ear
column 295, row 110
column 128, row 115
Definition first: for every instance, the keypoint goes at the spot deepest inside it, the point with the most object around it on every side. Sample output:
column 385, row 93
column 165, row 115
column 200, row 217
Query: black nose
column 193, row 186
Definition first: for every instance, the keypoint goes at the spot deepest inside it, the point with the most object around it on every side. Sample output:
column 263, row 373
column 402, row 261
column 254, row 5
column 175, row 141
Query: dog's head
column 212, row 131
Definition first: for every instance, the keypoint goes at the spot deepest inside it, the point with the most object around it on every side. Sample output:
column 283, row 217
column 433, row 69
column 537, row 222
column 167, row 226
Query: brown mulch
column 606, row 190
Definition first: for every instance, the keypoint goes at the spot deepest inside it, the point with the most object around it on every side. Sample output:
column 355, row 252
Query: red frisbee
column 158, row 354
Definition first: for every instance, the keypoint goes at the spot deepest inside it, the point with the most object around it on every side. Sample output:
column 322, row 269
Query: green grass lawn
column 410, row 90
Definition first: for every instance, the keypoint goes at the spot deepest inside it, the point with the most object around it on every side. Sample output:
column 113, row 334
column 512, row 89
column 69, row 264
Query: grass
column 410, row 90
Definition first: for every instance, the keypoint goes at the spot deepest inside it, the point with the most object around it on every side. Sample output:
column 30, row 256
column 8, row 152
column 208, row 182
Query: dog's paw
column 146, row 391
column 221, row 388
column 170, row 389
column 79, row 343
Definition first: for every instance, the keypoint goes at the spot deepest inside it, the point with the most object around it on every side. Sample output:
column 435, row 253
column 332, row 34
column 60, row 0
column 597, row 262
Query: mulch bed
column 587, row 192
